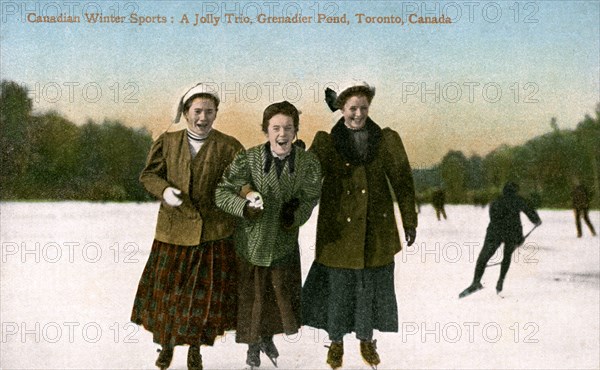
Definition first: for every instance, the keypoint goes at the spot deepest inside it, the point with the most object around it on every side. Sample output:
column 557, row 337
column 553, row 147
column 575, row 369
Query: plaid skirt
column 188, row 295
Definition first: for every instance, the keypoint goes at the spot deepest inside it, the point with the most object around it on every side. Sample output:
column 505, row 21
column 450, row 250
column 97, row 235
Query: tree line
column 47, row 157
column 546, row 167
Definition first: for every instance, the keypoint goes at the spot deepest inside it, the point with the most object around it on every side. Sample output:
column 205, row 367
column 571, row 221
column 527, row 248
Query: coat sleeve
column 235, row 176
column 154, row 174
column 310, row 190
column 399, row 174
column 319, row 146
column 531, row 214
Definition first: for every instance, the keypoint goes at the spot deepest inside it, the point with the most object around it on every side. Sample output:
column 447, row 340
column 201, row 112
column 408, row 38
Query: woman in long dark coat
column 187, row 292
column 350, row 286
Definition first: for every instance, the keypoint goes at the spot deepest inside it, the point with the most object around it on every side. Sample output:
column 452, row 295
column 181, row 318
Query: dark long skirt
column 269, row 299
column 341, row 301
column 188, row 294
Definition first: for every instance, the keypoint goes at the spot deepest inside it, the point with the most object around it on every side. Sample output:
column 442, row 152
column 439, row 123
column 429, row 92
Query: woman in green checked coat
column 274, row 188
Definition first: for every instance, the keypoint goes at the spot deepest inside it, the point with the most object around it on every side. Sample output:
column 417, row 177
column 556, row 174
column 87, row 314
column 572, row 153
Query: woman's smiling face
column 201, row 115
column 281, row 133
column 355, row 111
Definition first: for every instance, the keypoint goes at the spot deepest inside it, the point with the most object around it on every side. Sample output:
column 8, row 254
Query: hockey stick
column 525, row 237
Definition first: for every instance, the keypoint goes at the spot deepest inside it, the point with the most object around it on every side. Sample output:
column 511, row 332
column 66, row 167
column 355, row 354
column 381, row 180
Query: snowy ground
column 69, row 272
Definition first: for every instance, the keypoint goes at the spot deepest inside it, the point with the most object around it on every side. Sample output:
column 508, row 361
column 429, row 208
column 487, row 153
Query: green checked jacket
column 263, row 241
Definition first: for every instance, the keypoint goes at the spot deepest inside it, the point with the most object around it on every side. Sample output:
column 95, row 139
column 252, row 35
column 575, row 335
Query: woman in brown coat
column 350, row 286
column 187, row 292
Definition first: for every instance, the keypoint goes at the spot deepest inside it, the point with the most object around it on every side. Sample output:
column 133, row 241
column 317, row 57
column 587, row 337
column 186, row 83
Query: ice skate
column 470, row 290
column 194, row 359
column 253, row 355
column 268, row 347
column 164, row 358
column 335, row 354
column 499, row 286
column 368, row 350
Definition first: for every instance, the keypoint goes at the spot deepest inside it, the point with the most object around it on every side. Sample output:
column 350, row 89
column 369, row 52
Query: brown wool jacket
column 356, row 226
column 170, row 163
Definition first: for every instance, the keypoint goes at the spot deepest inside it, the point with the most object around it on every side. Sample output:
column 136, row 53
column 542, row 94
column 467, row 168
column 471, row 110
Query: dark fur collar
column 344, row 145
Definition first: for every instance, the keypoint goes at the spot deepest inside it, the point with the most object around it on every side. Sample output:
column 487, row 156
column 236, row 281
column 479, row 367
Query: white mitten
column 255, row 199
column 171, row 196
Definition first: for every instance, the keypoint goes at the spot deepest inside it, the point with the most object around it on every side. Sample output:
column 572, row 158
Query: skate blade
column 467, row 292
column 273, row 360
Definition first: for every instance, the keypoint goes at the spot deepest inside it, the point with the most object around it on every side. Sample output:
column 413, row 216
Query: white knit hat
column 353, row 83
column 200, row 88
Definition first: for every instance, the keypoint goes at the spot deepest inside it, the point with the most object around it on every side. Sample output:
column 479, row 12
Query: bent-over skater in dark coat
column 504, row 227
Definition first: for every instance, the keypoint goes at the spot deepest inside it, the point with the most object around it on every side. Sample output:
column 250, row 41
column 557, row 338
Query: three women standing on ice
column 272, row 188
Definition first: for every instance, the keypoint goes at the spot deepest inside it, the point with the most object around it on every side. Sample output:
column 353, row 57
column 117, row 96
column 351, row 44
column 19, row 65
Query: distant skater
column 504, row 227
column 581, row 206
column 438, row 199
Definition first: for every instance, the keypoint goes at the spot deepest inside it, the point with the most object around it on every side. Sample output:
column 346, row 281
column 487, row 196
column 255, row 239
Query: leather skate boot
column 253, row 355
column 335, row 354
column 368, row 350
column 164, row 358
column 194, row 359
column 268, row 347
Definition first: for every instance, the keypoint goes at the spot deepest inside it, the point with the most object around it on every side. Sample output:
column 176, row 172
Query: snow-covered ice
column 69, row 272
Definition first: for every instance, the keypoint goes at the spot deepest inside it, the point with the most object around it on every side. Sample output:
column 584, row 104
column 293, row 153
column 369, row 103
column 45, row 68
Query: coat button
column 348, row 192
column 348, row 219
column 363, row 191
column 385, row 215
column 347, row 164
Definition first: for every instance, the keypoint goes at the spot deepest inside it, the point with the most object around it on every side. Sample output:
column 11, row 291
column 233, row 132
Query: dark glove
column 287, row 213
column 300, row 143
column 252, row 213
column 410, row 235
column 330, row 98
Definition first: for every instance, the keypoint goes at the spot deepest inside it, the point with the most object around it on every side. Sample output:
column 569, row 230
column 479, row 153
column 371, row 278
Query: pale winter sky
column 496, row 75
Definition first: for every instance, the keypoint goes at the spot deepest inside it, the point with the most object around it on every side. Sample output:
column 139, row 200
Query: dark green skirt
column 342, row 301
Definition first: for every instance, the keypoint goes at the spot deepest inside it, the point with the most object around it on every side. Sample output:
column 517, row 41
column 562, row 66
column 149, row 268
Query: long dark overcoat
column 356, row 225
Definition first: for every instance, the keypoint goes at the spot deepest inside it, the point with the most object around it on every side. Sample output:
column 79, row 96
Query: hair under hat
column 198, row 89
column 336, row 100
column 286, row 108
